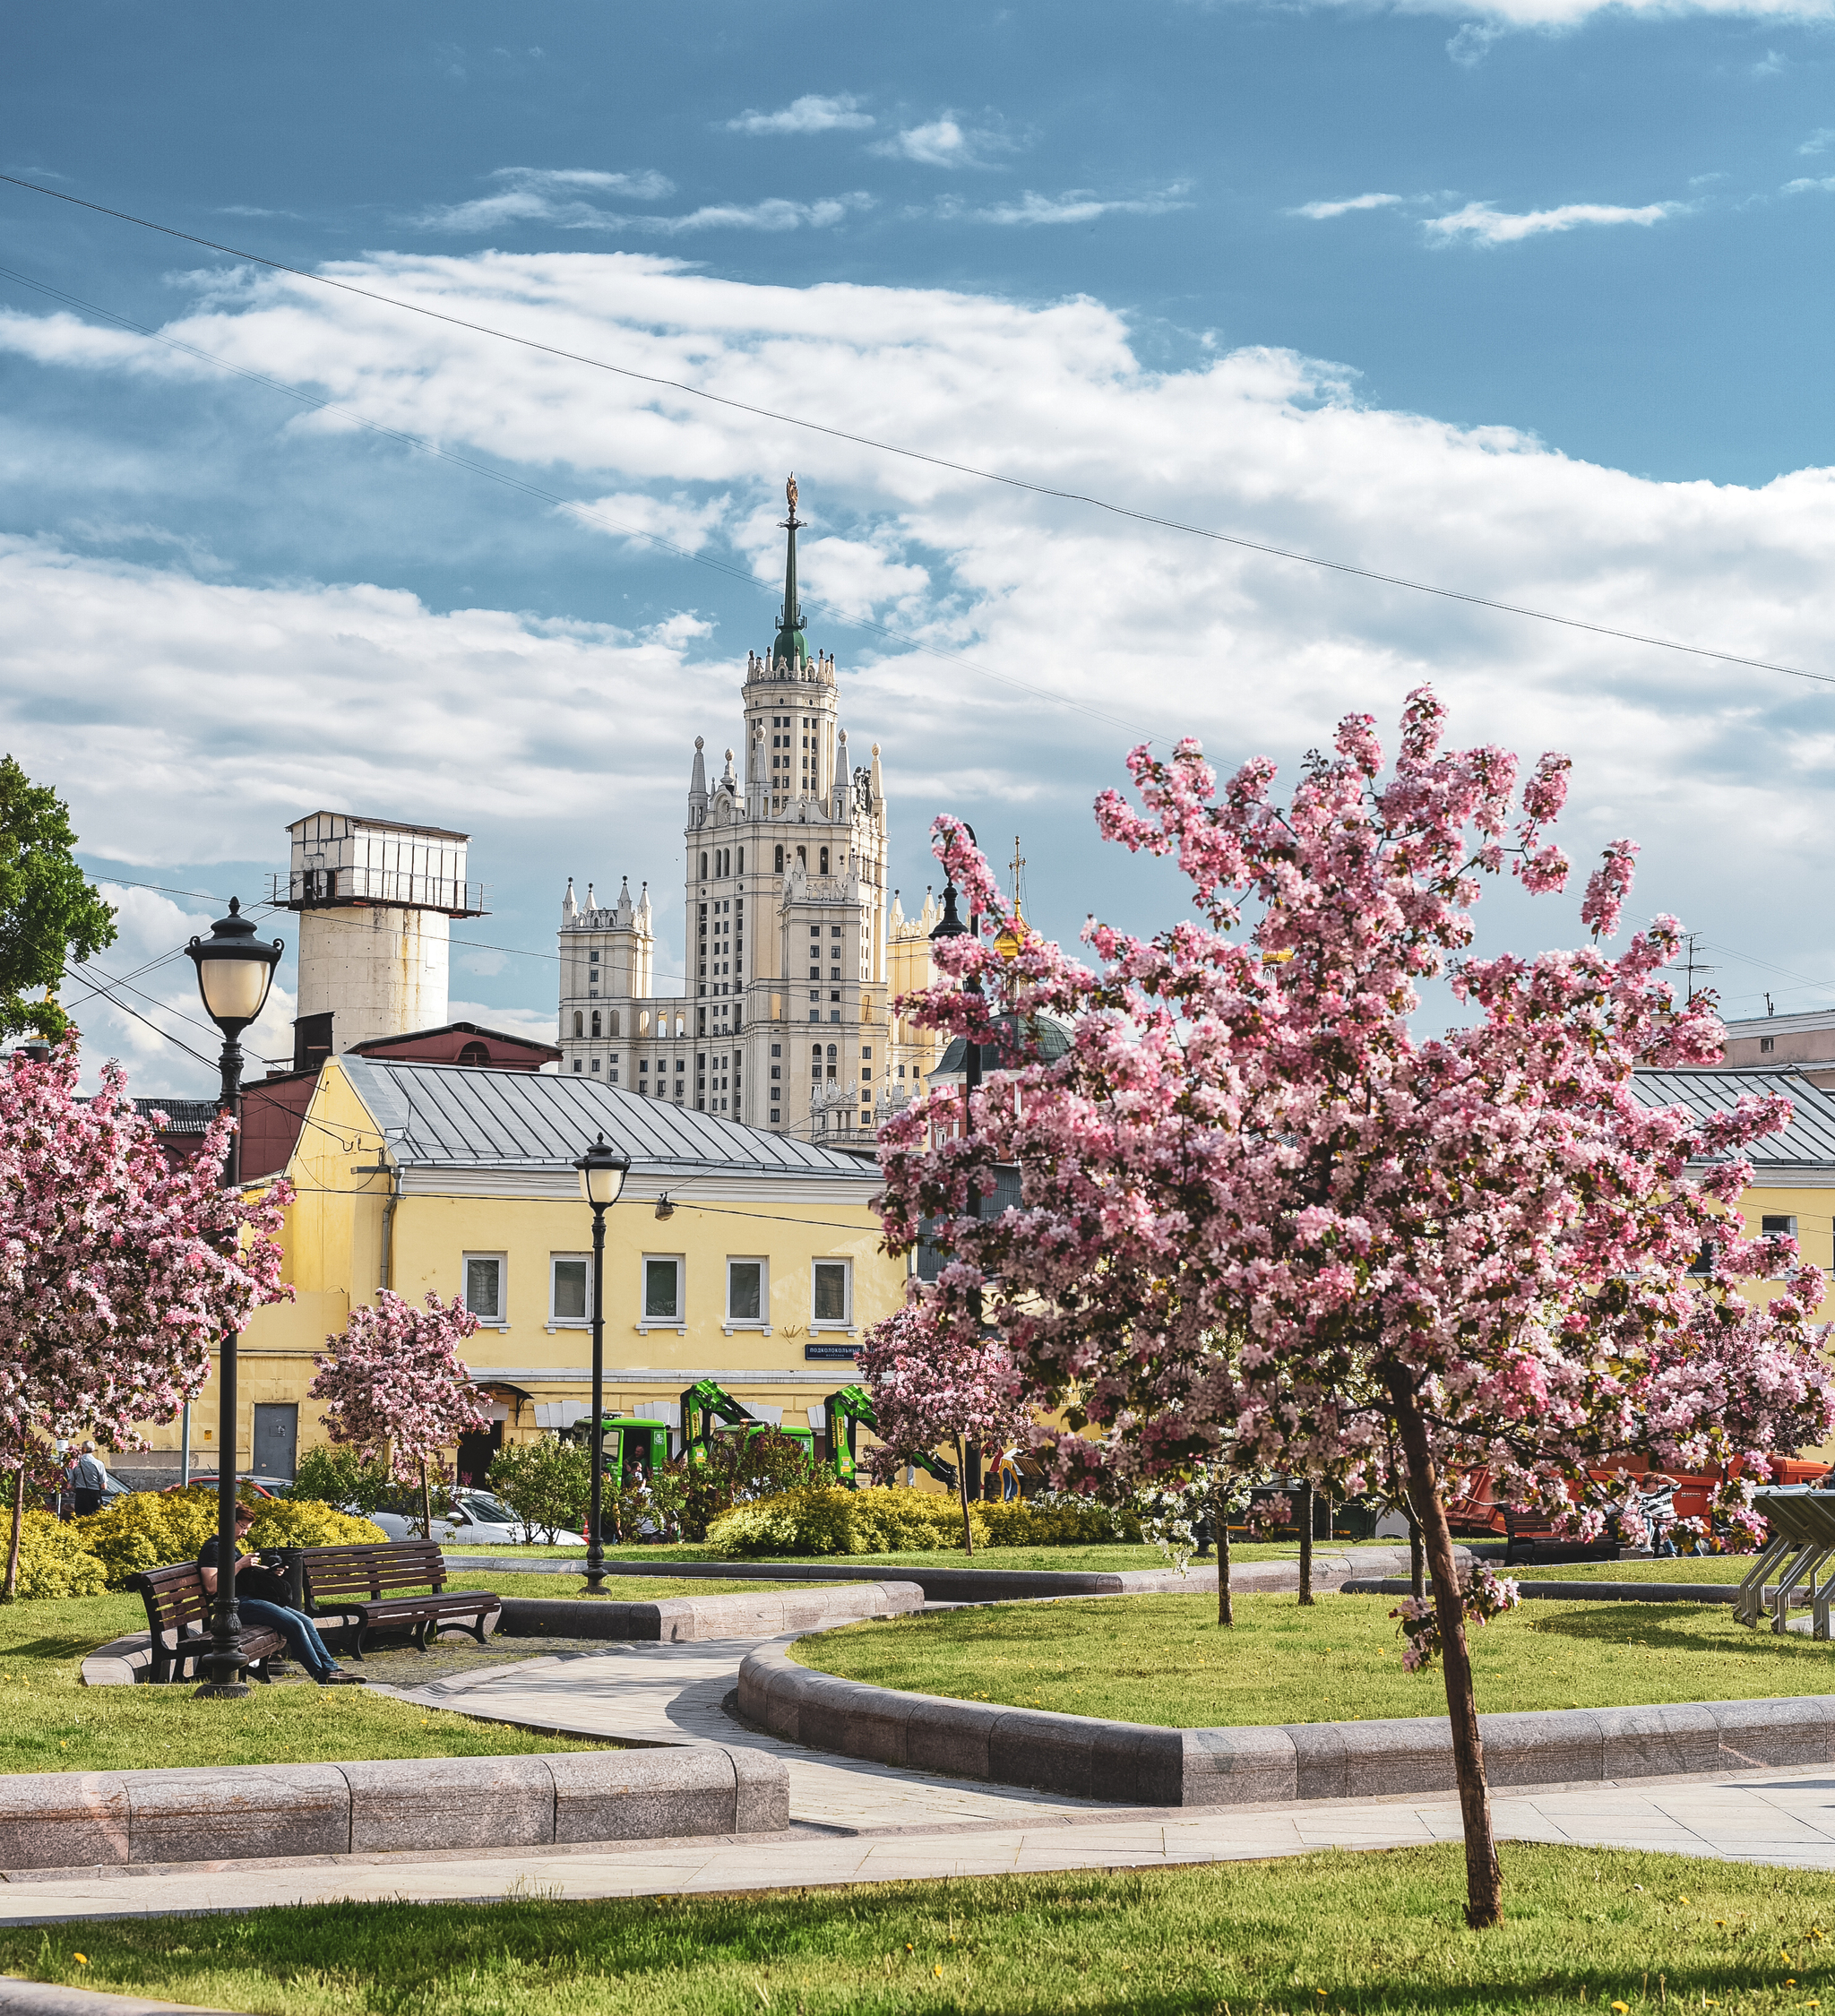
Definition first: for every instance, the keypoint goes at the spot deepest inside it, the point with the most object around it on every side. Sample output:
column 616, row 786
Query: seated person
column 303, row 1639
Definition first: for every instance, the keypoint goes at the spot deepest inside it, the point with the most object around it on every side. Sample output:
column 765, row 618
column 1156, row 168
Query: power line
column 934, row 462
column 588, row 512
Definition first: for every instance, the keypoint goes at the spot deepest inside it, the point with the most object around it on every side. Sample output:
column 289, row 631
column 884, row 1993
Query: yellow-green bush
column 1020, row 1525
column 53, row 1560
column 829, row 1521
column 149, row 1529
column 305, row 1522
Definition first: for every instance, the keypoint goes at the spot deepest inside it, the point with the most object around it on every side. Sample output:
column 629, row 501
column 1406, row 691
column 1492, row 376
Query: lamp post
column 952, row 927
column 602, row 1173
column 235, row 971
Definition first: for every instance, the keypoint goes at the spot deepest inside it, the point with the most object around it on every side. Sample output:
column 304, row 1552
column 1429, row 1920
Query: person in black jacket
column 302, row 1636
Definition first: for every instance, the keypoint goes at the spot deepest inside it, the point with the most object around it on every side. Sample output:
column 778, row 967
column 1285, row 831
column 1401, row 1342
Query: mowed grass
column 618, row 1589
column 1106, row 1558
column 51, row 1722
column 1334, row 1932
column 1166, row 1661
column 1730, row 1568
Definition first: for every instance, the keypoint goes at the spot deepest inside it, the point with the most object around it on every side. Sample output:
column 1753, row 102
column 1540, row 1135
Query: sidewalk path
column 853, row 1821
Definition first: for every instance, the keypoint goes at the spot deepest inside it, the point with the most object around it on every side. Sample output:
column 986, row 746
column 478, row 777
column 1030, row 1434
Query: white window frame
column 502, row 1320
column 678, row 1323
column 817, row 1324
column 556, row 1320
column 761, row 1322
column 1789, row 1219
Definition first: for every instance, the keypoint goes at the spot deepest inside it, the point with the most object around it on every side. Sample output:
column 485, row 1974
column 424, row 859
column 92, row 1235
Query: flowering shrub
column 815, row 1519
column 1059, row 1519
column 1484, row 1596
column 1268, row 1518
column 1169, row 1517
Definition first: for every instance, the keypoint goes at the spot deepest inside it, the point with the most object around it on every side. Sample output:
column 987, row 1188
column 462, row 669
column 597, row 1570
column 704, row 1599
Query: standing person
column 88, row 1480
column 1659, row 1505
column 302, row 1636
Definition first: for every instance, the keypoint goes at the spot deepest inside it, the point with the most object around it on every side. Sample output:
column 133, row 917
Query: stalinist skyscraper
column 795, row 945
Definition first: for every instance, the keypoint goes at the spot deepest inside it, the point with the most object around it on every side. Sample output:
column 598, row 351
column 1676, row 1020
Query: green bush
column 53, row 1560
column 828, row 1520
column 305, row 1522
column 547, row 1484
column 148, row 1529
column 1018, row 1524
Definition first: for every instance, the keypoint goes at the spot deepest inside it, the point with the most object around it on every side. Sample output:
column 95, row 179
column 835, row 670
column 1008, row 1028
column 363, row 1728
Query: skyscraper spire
column 791, row 645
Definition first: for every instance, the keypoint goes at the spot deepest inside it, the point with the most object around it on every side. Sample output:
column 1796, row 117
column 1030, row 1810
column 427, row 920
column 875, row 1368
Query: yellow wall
column 334, row 1242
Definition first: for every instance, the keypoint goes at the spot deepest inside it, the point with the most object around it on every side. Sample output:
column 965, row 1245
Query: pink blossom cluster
column 1263, row 1220
column 394, row 1385
column 118, row 1273
column 932, row 1383
column 1483, row 1596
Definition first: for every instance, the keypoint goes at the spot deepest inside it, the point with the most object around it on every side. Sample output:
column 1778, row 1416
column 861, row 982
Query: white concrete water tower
column 376, row 901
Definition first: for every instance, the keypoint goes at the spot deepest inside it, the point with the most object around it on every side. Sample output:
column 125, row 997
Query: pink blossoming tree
column 1426, row 1253
column 935, row 1379
column 395, row 1386
column 118, row 1273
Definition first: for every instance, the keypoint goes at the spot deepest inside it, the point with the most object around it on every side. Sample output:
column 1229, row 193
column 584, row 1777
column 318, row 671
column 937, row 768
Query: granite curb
column 1332, row 1565
column 47, row 1998
column 1136, row 1764
column 1548, row 1590
column 252, row 1812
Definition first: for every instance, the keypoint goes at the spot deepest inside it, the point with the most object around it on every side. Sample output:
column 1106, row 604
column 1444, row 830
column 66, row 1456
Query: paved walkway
column 855, row 1822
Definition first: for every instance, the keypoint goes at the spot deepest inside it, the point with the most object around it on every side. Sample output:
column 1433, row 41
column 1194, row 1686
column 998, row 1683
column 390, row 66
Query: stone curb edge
column 246, row 1812
column 1587, row 1592
column 1133, row 1764
column 47, row 1998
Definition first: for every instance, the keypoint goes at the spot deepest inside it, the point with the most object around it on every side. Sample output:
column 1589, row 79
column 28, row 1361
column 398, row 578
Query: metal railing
column 307, row 889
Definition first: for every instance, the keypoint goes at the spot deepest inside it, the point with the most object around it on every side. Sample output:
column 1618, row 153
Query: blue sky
column 1530, row 300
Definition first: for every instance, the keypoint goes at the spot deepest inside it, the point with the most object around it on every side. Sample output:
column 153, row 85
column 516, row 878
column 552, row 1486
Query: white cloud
column 538, row 1024
column 946, row 143
column 557, row 197
column 565, row 747
column 1074, row 206
column 1344, row 206
column 1818, row 141
column 1571, row 14
column 808, row 114
column 1489, row 225
column 680, row 520
column 775, row 213
column 1804, row 182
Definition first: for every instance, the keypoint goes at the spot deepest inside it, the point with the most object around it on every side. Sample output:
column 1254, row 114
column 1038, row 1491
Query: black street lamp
column 235, row 971
column 602, row 1173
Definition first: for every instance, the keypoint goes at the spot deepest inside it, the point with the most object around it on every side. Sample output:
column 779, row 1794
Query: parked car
column 478, row 1519
column 262, row 1486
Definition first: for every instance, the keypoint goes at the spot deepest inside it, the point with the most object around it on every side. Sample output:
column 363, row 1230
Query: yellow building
column 734, row 1253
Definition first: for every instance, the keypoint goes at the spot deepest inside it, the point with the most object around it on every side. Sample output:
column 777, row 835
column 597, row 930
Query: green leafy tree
column 547, row 1484
column 49, row 914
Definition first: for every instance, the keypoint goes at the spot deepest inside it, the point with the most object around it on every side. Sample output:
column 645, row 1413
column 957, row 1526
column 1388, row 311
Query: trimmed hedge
column 53, row 1560
column 889, row 1519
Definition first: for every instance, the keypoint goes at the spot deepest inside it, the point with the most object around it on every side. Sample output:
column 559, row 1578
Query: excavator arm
column 851, row 1409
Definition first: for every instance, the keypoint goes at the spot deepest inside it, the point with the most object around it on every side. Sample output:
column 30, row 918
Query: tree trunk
column 1305, row 1545
column 11, row 1591
column 963, row 1491
column 1219, row 1518
column 1417, row 1561
column 426, row 1505
column 1483, row 1878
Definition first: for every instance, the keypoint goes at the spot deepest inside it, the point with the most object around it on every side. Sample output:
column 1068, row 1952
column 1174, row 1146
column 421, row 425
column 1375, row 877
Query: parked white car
column 479, row 1519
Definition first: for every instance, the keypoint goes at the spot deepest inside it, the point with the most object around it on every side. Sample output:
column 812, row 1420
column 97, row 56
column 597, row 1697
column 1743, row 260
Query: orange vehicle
column 1476, row 1512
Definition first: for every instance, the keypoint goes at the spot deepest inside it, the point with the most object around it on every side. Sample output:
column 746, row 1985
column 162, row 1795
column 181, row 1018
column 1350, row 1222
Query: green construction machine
column 707, row 1408
column 847, row 1413
column 632, row 1442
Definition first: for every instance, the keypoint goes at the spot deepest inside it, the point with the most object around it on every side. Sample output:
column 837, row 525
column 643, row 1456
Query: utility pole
column 1693, row 963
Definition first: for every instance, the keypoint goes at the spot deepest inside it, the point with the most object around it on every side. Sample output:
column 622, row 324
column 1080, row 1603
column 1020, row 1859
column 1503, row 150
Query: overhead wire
column 918, row 456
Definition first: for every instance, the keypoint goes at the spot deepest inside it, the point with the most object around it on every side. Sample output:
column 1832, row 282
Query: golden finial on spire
column 790, row 493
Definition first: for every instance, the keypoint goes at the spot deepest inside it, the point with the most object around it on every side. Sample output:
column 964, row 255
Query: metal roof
column 1810, row 1138
column 469, row 1116
column 1050, row 1037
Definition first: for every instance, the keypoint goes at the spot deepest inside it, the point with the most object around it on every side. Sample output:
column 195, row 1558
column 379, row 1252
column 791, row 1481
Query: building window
column 578, row 1023
column 596, row 1030
column 612, row 1026
column 775, row 1114
column 592, row 958
column 595, row 1066
column 569, row 1276
column 578, row 1065
column 866, row 1049
column 1775, row 1225
column 780, row 860
column 703, row 867
column 484, row 1293
column 824, row 861
column 746, row 1291
column 662, row 1287
column 1765, row 1042
column 777, row 1049
column 832, row 1301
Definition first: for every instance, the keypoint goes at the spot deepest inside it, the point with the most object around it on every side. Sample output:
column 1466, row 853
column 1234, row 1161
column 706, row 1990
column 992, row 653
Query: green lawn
column 1165, row 1660
column 1335, row 1932
column 1104, row 1558
column 49, row 1722
column 619, row 1588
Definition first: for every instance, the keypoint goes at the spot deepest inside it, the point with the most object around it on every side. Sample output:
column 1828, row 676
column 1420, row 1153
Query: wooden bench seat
column 353, row 1584
column 179, row 1622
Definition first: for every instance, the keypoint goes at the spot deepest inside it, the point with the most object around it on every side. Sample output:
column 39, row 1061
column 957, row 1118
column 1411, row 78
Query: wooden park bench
column 351, row 1585
column 178, row 1621
column 1524, row 1530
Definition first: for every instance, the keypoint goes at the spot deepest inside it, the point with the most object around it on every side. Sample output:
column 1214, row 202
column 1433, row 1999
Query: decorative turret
column 622, row 914
column 791, row 646
column 644, row 921
column 570, row 910
column 697, row 786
